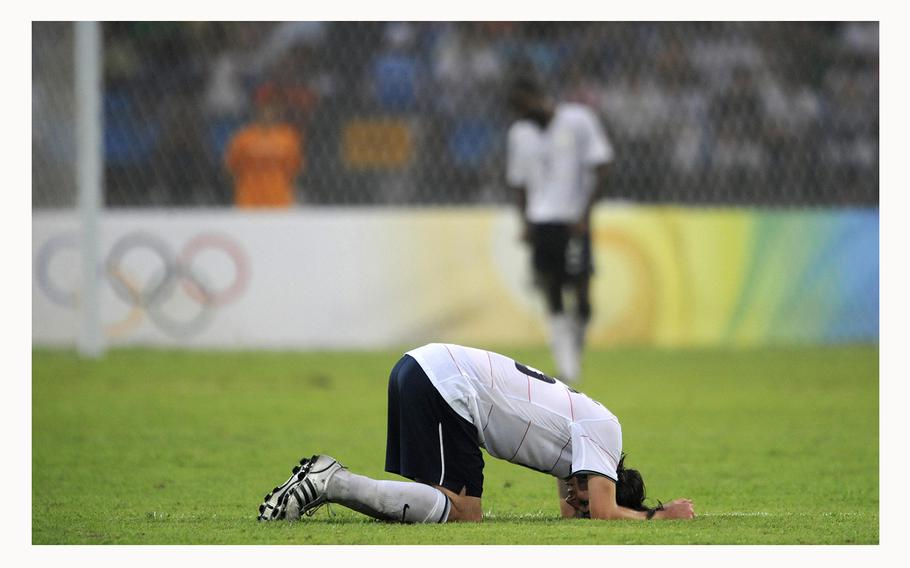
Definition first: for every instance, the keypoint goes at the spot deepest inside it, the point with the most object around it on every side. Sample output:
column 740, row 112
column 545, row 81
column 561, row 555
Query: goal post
column 89, row 179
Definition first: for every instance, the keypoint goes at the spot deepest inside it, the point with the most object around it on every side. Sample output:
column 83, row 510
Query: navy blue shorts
column 559, row 254
column 427, row 441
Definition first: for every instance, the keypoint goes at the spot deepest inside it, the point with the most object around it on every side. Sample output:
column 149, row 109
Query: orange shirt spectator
column 264, row 158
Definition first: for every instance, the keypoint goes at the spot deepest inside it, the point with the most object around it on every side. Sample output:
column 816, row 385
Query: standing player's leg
column 579, row 268
column 549, row 242
column 581, row 289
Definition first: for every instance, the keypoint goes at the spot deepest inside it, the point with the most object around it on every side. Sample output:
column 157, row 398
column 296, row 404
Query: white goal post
column 89, row 176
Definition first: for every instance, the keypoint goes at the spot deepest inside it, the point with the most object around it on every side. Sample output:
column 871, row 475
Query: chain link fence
column 413, row 113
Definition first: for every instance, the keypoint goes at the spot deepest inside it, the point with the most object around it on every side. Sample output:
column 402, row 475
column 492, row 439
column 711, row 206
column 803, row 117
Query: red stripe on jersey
column 566, row 445
column 488, row 418
column 522, row 442
column 457, row 366
column 605, row 450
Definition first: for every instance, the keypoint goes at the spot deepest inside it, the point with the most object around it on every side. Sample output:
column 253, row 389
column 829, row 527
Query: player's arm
column 566, row 510
column 602, row 503
column 521, row 201
column 600, row 186
column 516, row 176
column 598, row 191
column 598, row 153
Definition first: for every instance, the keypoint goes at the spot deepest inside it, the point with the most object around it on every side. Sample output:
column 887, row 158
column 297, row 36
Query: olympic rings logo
column 176, row 272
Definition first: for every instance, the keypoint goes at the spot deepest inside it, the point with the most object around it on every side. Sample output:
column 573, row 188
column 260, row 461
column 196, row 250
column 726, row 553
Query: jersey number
column 532, row 372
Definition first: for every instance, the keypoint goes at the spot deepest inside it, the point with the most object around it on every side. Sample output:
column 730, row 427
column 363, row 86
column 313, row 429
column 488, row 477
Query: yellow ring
column 134, row 317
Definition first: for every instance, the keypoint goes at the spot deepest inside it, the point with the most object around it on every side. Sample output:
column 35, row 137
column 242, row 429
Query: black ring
column 159, row 288
column 182, row 329
column 154, row 292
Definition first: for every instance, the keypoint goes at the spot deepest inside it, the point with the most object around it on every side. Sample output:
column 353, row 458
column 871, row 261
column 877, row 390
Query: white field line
column 546, row 514
column 766, row 514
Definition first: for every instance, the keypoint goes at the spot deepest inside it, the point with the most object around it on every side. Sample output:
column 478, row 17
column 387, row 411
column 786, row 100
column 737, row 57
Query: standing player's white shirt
column 522, row 415
column 555, row 165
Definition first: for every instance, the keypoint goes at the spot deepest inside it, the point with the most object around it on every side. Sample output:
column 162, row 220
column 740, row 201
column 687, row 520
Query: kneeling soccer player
column 445, row 403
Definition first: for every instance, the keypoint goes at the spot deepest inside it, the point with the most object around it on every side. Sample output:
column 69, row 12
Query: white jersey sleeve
column 517, row 156
column 596, row 450
column 555, row 164
column 598, row 149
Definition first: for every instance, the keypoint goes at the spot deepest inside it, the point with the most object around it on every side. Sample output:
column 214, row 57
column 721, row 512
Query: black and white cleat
column 274, row 504
column 310, row 493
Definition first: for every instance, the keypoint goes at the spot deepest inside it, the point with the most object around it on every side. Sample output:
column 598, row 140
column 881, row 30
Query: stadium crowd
column 406, row 112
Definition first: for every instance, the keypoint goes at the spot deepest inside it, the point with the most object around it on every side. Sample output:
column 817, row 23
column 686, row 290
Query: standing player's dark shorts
column 427, row 440
column 558, row 253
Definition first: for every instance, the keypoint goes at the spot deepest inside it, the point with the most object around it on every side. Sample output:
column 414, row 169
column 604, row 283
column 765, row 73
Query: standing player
column 445, row 403
column 556, row 163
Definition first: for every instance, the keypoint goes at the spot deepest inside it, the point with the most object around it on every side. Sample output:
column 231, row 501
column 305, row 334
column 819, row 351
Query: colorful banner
column 737, row 276
column 373, row 278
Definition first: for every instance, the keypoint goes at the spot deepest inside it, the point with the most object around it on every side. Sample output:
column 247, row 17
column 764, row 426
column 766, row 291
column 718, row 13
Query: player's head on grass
column 630, row 487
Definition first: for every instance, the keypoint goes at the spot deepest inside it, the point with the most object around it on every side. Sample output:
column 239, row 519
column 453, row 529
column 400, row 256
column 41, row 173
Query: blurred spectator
column 852, row 150
column 738, row 156
column 284, row 37
column 685, row 131
column 717, row 56
column 265, row 157
column 639, row 110
column 53, row 120
column 183, row 166
column 860, row 37
column 709, row 111
column 395, row 72
column 467, row 68
column 791, row 111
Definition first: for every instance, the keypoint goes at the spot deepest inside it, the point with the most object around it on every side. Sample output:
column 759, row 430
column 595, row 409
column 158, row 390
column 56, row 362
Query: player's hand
column 525, row 234
column 678, row 509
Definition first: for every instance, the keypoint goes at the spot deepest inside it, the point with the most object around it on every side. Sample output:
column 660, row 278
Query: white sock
column 579, row 329
column 565, row 350
column 399, row 501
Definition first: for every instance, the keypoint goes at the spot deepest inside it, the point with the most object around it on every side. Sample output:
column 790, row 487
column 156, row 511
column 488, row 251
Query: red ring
column 211, row 240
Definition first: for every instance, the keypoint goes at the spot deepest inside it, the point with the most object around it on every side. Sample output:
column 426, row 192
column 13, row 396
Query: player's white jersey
column 523, row 415
column 555, row 164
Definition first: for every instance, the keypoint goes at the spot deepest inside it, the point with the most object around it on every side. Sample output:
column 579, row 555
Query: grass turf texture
column 175, row 447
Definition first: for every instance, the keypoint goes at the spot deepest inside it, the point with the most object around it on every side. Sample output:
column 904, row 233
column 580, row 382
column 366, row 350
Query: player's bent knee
column 466, row 510
column 464, row 507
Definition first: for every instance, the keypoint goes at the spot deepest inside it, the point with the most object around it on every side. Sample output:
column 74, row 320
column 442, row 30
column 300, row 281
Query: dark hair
column 526, row 83
column 630, row 487
column 521, row 86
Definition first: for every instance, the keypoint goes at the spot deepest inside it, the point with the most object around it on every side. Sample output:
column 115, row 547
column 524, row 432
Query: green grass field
column 776, row 446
